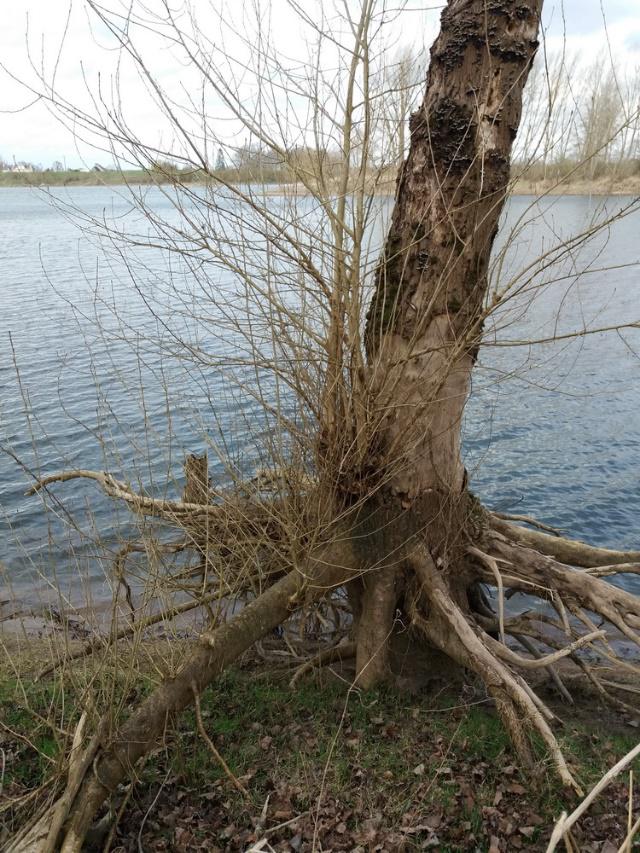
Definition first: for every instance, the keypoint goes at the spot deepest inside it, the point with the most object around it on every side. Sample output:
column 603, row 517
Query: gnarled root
column 567, row 588
column 448, row 629
column 569, row 551
column 504, row 557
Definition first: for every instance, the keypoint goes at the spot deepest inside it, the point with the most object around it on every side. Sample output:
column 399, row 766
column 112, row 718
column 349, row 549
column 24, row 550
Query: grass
column 356, row 766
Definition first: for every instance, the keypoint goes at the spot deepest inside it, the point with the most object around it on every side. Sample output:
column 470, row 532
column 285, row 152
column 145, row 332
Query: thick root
column 217, row 649
column 566, row 588
column 569, row 551
column 375, row 628
column 448, row 629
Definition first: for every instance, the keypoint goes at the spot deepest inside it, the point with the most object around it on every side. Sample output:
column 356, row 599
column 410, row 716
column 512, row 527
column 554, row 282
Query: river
column 551, row 430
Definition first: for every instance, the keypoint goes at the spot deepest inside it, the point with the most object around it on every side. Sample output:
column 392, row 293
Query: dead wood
column 217, row 649
column 569, row 551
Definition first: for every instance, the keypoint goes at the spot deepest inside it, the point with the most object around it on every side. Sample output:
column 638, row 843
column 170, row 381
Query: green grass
column 360, row 752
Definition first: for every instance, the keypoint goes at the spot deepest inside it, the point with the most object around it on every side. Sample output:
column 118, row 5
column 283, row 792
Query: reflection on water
column 553, row 430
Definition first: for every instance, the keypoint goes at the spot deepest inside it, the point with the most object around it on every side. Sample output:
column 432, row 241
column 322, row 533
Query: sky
column 88, row 64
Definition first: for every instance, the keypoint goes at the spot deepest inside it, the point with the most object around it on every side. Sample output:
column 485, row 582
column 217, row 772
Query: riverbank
column 112, row 177
column 598, row 187
column 324, row 767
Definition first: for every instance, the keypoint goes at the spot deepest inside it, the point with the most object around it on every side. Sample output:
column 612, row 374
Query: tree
column 220, row 161
column 367, row 491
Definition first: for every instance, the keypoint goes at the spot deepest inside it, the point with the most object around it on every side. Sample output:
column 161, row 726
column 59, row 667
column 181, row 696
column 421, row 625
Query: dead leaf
column 418, row 770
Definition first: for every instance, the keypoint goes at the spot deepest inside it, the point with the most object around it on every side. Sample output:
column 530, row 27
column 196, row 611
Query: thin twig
column 212, row 748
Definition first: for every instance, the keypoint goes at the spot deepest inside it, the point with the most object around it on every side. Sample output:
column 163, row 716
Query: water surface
column 551, row 430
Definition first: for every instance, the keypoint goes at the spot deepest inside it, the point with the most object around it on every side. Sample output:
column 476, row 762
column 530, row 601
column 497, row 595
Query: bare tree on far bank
column 582, row 122
column 360, row 361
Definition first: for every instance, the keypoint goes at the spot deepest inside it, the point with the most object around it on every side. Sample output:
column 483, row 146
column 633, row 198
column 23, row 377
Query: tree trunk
column 425, row 320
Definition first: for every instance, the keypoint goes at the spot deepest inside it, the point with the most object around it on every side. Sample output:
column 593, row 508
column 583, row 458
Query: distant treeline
column 580, row 127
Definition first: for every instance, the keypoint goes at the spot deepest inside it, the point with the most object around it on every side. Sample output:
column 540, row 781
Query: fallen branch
column 565, row 822
column 343, row 651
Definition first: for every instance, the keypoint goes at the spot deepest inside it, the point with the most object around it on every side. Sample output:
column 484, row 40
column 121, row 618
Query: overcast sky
column 31, row 133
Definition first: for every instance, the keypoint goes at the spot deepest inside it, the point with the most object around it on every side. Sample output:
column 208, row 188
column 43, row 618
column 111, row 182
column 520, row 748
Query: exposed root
column 601, row 691
column 529, row 570
column 568, row 551
column 512, row 657
column 343, row 651
column 526, row 644
column 327, row 568
column 375, row 627
column 504, row 558
column 576, row 592
column 527, row 519
column 493, row 565
column 448, row 629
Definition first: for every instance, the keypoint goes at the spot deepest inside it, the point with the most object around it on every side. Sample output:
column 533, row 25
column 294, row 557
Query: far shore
column 47, row 180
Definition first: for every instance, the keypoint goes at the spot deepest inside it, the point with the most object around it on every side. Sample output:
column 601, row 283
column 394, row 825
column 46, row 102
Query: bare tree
column 581, row 120
column 361, row 361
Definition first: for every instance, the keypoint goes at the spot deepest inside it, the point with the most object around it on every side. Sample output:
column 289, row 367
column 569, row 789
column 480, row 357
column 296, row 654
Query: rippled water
column 553, row 430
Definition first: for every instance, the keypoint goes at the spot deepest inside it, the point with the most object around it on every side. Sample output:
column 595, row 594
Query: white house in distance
column 17, row 167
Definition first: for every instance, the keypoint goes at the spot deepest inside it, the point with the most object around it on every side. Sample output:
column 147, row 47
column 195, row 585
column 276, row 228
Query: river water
column 551, row 430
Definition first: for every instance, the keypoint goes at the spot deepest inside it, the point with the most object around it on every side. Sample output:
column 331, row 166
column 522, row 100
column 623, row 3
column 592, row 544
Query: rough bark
column 425, row 320
column 376, row 624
